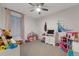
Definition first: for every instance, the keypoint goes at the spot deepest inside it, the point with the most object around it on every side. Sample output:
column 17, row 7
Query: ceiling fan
column 38, row 7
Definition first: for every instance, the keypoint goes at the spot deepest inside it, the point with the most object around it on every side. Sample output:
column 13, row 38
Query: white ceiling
column 25, row 8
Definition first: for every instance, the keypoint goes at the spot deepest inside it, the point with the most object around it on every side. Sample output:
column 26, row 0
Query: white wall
column 69, row 18
column 30, row 25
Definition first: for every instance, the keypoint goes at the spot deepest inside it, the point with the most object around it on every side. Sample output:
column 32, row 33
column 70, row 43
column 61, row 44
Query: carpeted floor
column 37, row 48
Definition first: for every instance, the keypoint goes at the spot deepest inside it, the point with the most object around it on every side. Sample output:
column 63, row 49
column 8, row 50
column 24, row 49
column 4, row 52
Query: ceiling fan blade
column 44, row 9
column 32, row 10
column 32, row 4
column 42, row 4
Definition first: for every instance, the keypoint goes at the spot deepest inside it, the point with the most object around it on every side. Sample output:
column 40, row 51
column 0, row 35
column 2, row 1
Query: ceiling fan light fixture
column 38, row 9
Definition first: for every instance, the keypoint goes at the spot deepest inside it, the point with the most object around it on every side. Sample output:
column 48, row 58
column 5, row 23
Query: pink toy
column 63, row 44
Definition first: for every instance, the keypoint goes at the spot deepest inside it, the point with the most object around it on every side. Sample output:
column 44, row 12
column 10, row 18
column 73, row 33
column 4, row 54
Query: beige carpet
column 37, row 48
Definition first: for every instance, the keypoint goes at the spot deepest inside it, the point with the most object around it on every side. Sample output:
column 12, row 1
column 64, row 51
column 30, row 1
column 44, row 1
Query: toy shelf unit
column 66, row 40
column 74, row 36
column 65, row 44
column 50, row 40
column 49, row 37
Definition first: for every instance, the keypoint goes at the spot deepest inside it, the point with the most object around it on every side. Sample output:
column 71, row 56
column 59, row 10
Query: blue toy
column 13, row 45
column 70, row 52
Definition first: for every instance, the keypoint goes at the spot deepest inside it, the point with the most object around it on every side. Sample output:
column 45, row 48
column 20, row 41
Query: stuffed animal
column 2, row 46
column 7, row 33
